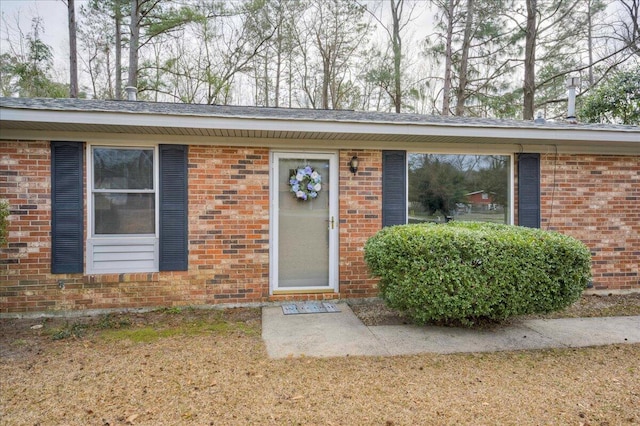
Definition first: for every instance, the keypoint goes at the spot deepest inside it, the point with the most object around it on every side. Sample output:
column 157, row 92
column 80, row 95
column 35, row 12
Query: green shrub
column 462, row 272
column 4, row 221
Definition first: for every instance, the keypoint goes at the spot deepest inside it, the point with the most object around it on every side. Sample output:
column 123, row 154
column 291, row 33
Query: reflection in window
column 459, row 187
column 123, row 191
column 123, row 168
column 124, row 213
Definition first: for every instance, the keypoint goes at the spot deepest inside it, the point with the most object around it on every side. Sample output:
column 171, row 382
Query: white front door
column 304, row 224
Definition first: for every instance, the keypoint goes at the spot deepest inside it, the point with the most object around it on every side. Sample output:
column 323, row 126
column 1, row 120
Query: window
column 123, row 191
column 123, row 210
column 446, row 187
column 137, row 209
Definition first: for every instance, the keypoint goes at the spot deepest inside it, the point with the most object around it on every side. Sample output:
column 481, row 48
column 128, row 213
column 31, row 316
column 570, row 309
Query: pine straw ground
column 205, row 367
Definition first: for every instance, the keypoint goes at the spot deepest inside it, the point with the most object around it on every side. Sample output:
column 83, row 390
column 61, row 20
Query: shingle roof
column 299, row 114
column 91, row 120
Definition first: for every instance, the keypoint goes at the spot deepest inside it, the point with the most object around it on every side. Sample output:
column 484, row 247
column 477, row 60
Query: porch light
column 353, row 164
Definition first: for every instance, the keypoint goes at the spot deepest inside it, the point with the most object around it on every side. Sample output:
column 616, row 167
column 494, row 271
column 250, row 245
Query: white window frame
column 122, row 241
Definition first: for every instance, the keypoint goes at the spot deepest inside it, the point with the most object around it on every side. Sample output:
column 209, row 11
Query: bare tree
column 560, row 40
column 73, row 50
column 450, row 12
column 100, row 38
column 461, row 91
column 502, row 58
column 590, row 38
column 134, row 42
column 329, row 37
column 529, row 87
column 227, row 44
column 476, row 46
column 117, row 21
column 627, row 28
column 397, row 7
column 27, row 62
column 274, row 21
column 390, row 76
column 148, row 20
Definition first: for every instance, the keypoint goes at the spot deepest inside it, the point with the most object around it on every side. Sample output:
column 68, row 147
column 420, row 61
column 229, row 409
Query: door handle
column 332, row 221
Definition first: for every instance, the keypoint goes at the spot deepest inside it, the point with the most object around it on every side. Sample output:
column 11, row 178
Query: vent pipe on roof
column 572, row 83
column 132, row 93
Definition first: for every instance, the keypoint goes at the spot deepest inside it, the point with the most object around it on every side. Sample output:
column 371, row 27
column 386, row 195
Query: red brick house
column 123, row 204
column 480, row 199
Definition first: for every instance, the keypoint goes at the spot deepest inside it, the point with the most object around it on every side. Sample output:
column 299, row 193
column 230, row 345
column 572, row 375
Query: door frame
column 334, row 208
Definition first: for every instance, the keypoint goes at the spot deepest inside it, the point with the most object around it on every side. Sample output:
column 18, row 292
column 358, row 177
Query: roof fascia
column 558, row 134
column 436, row 146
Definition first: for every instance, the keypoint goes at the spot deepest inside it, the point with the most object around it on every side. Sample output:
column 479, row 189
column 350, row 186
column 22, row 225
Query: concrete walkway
column 342, row 334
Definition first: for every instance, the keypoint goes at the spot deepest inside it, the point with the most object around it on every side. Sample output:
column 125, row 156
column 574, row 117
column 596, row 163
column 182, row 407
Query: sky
column 54, row 18
column 53, row 13
column 55, row 24
column 16, row 13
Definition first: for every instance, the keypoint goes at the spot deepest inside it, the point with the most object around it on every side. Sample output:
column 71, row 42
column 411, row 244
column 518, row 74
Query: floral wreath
column 305, row 183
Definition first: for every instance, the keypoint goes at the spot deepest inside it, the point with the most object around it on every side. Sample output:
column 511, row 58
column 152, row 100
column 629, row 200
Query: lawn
column 186, row 366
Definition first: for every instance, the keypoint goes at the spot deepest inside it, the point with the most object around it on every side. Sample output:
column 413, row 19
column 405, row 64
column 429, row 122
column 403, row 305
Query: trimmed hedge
column 463, row 272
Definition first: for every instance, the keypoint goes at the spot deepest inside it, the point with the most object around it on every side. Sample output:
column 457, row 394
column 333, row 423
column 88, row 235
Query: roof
column 479, row 192
column 82, row 117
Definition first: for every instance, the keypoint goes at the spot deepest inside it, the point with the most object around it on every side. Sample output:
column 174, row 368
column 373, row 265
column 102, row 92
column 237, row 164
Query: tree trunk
column 118, row 24
column 447, row 61
column 278, row 66
column 631, row 26
column 530, row 61
column 265, row 72
column 590, row 41
column 109, row 79
column 134, row 25
column 326, row 78
column 290, row 82
column 73, row 51
column 396, row 10
column 461, row 92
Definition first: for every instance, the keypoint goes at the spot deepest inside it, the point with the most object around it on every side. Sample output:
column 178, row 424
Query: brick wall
column 228, row 238
column 26, row 261
column 229, row 222
column 360, row 218
column 228, row 235
column 596, row 198
column 593, row 198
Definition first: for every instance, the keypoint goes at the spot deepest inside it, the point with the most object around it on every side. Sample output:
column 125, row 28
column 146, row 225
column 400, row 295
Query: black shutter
column 173, row 208
column 67, row 222
column 529, row 190
column 394, row 188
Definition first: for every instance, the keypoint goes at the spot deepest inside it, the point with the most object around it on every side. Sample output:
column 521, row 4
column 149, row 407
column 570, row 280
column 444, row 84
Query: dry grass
column 210, row 367
column 601, row 306
column 377, row 313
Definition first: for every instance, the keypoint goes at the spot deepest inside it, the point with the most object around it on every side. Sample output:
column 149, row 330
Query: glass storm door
column 304, row 222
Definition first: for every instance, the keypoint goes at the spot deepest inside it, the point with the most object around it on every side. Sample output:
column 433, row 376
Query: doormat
column 309, row 308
